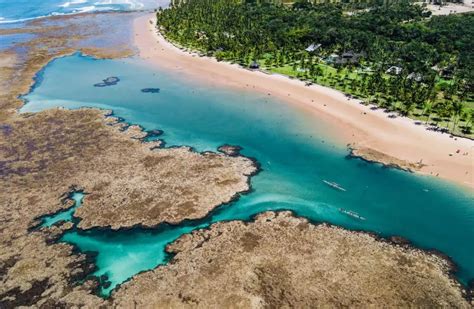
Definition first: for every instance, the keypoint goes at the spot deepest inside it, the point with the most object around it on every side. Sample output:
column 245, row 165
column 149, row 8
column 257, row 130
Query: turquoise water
column 295, row 151
column 64, row 215
column 14, row 11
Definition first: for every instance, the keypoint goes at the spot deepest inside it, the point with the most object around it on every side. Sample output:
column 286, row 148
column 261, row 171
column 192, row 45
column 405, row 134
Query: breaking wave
column 21, row 11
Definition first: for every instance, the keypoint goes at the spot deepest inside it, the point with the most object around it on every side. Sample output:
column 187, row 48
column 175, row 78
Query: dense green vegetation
column 431, row 58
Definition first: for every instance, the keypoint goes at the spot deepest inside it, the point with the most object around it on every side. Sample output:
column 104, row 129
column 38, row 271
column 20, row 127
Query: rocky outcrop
column 375, row 156
column 230, row 150
column 109, row 81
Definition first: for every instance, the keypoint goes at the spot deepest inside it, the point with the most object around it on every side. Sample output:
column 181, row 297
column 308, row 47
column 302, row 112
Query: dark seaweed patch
column 6, row 129
column 109, row 81
column 151, row 90
column 16, row 297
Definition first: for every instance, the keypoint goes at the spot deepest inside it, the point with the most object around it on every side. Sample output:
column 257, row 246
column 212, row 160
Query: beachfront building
column 418, row 77
column 349, row 57
column 394, row 70
column 312, row 48
column 332, row 58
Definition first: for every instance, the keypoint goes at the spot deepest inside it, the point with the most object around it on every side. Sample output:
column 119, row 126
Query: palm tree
column 407, row 107
column 428, row 110
column 445, row 111
column 470, row 119
column 457, row 110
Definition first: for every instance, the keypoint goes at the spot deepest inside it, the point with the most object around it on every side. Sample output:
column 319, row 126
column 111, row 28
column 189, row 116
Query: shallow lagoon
column 294, row 150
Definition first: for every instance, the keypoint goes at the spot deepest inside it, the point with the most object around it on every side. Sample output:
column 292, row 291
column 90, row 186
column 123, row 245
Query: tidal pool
column 295, row 151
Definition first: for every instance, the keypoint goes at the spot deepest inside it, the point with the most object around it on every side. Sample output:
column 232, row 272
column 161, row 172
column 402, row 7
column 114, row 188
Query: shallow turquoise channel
column 295, row 151
column 64, row 215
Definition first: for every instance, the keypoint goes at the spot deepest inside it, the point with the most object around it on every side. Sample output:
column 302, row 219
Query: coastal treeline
column 393, row 54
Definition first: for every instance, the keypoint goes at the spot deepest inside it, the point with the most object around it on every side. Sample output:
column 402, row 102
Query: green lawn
column 342, row 79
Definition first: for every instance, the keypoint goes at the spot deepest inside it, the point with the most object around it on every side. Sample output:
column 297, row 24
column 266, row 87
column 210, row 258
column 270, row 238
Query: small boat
column 351, row 214
column 334, row 185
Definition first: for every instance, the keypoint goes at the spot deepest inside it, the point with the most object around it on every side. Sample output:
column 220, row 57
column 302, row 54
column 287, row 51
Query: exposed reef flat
column 166, row 185
column 283, row 261
column 38, row 155
column 230, row 150
column 47, row 154
column 375, row 156
column 35, row 271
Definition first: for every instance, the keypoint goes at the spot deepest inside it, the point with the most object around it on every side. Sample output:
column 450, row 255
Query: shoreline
column 351, row 122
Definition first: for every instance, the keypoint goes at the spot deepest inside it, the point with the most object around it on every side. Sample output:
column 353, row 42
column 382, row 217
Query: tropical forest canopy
column 431, row 57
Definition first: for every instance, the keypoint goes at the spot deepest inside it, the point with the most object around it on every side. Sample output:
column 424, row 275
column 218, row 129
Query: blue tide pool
column 304, row 169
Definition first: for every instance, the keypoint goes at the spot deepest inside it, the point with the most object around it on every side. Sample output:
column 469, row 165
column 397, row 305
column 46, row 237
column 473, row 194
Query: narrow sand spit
column 350, row 121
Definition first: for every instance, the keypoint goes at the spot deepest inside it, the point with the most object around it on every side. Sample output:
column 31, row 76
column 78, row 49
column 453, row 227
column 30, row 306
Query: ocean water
column 295, row 151
column 14, row 11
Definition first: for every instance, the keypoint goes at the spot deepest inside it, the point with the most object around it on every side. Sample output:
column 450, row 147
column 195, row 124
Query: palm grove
column 395, row 56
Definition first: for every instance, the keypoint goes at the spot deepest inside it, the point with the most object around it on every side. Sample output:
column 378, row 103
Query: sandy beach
column 440, row 155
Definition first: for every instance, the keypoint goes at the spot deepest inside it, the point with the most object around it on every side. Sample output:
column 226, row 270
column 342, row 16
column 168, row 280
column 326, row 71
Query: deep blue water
column 12, row 11
column 295, row 151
